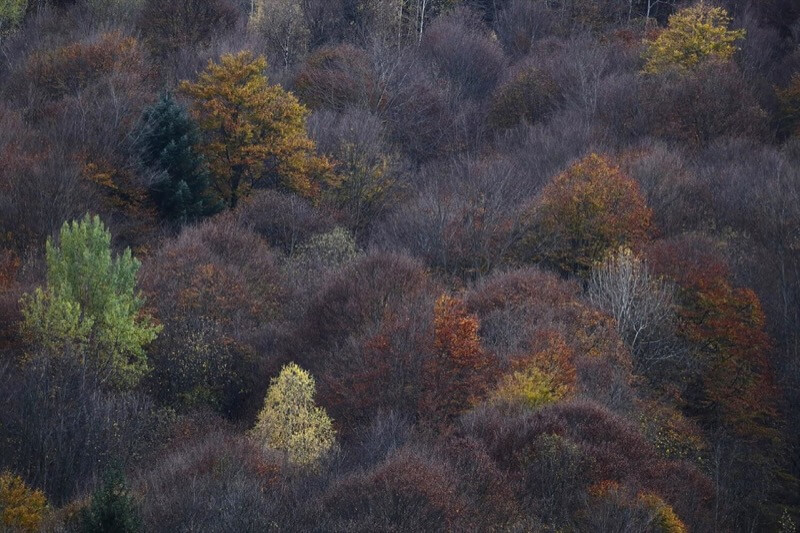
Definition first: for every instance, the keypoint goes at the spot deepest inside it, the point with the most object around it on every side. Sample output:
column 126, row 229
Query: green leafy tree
column 112, row 508
column 169, row 136
column 90, row 303
column 692, row 36
column 291, row 422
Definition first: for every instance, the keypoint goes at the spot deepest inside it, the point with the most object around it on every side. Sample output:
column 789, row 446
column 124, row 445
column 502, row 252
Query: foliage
column 327, row 250
column 254, row 133
column 72, row 67
column 694, row 34
column 21, row 508
column 112, row 507
column 11, row 13
column 90, row 302
column 460, row 371
column 529, row 96
column 542, row 378
column 585, row 212
column 290, row 422
column 169, row 136
column 726, row 325
column 665, row 520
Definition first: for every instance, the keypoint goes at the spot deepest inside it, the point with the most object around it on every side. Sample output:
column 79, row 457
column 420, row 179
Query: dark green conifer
column 168, row 139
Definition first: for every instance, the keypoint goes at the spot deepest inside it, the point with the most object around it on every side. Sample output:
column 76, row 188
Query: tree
column 693, row 35
column 21, row 508
column 587, row 210
column 169, row 136
column 727, row 328
column 290, row 422
column 459, row 371
column 254, row 132
column 90, row 303
column 284, row 26
column 528, row 96
column 112, row 508
column 640, row 303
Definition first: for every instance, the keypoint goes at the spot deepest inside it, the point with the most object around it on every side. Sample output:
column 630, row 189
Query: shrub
column 68, row 69
column 213, row 478
column 457, row 44
column 337, row 77
column 170, row 27
column 283, row 220
column 409, row 491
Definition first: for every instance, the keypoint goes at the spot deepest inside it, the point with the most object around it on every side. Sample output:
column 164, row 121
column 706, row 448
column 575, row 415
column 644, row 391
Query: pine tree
column 169, row 136
column 112, row 508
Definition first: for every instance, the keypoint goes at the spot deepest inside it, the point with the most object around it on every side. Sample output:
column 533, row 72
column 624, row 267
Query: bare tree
column 640, row 303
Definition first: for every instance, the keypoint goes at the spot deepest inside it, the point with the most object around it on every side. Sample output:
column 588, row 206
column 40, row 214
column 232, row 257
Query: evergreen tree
column 112, row 509
column 169, row 136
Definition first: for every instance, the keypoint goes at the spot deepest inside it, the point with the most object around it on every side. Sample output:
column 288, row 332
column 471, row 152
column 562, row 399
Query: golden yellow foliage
column 692, row 35
column 543, row 378
column 583, row 213
column 21, row 508
column 291, row 422
column 254, row 132
column 665, row 519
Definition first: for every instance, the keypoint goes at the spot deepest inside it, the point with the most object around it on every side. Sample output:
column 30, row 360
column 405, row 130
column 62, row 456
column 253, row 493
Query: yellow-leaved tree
column 21, row 508
column 254, row 133
column 692, row 36
column 290, row 421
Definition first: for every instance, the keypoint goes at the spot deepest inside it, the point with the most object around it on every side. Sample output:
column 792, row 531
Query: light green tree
column 90, row 304
column 291, row 422
column 692, row 35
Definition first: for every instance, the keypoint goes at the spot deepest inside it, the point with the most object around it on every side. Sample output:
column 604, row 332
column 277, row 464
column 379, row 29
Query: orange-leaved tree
column 583, row 213
column 459, row 371
column 254, row 132
column 727, row 328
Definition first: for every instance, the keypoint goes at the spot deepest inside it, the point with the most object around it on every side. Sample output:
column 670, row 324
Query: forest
column 400, row 265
